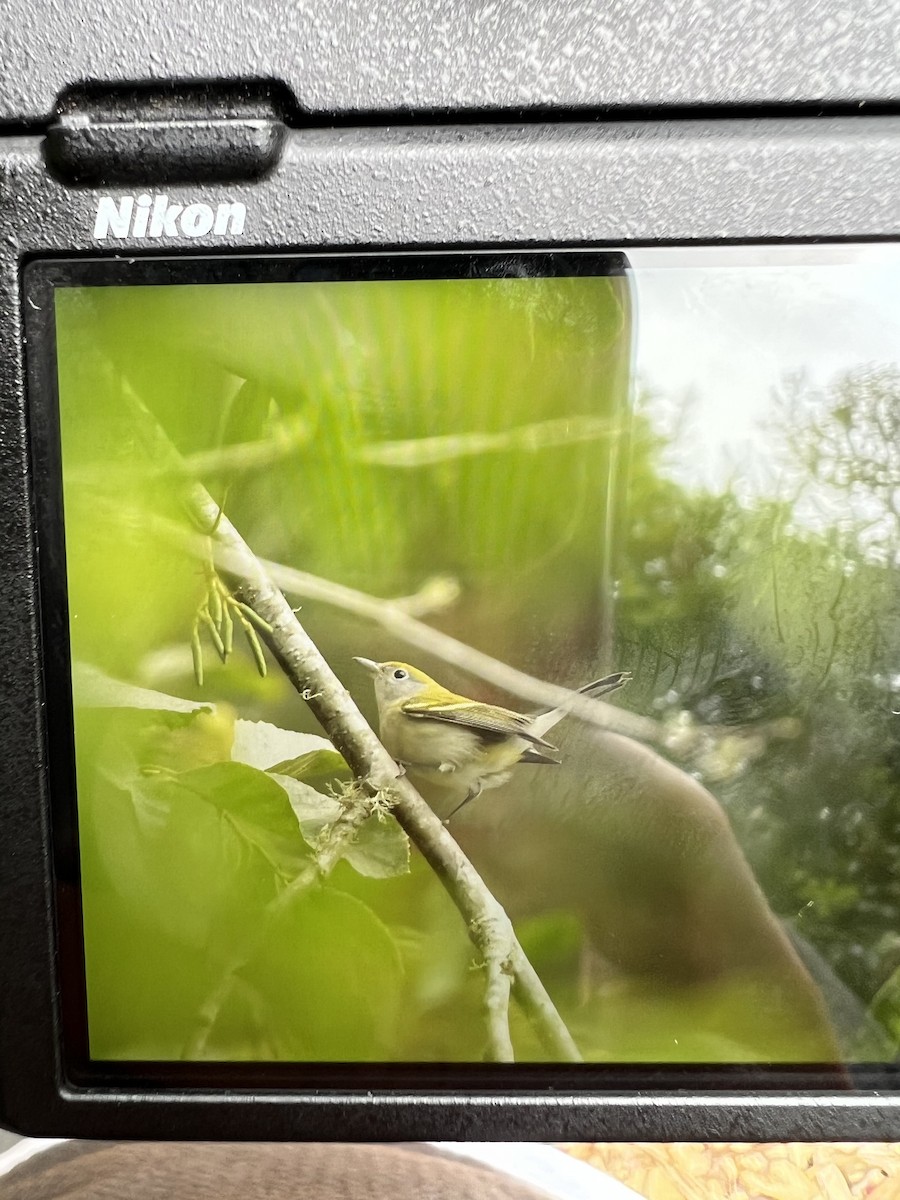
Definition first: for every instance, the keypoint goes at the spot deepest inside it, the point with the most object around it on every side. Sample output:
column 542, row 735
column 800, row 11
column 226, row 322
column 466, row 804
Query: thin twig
column 395, row 617
column 680, row 740
column 428, row 451
column 398, row 622
column 490, row 929
column 235, row 459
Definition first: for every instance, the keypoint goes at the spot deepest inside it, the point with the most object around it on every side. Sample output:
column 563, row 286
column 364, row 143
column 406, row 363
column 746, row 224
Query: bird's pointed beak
column 372, row 667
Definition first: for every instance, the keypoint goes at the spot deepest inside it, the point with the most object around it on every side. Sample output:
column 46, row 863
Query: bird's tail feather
column 596, row 689
column 609, row 683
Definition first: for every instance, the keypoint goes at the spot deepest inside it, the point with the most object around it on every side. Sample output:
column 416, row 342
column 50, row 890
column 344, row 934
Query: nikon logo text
column 154, row 217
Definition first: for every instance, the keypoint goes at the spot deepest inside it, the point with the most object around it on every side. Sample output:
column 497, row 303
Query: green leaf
column 123, row 744
column 257, row 807
column 172, row 891
column 314, row 811
column 146, row 986
column 315, row 766
column 93, row 688
column 245, row 414
column 178, row 872
column 379, row 849
column 260, row 744
column 181, row 850
column 323, row 984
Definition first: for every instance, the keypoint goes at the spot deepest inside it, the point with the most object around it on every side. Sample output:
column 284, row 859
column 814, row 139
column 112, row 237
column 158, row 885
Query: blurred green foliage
column 377, row 435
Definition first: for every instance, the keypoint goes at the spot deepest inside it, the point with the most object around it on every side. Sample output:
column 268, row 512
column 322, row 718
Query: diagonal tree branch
column 488, row 925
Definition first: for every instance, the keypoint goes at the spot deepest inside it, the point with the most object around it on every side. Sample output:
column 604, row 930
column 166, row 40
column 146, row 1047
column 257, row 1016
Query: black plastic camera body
column 324, row 151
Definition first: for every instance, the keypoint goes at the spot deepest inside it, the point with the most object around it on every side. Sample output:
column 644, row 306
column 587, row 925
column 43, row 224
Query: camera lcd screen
column 489, row 477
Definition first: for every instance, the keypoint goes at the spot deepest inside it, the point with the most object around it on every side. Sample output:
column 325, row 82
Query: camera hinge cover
column 209, row 132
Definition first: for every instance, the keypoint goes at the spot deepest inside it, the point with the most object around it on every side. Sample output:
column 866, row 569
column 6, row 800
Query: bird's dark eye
column 400, row 673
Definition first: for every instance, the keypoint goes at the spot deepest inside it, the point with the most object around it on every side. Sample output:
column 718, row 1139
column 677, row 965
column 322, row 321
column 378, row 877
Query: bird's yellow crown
column 412, row 672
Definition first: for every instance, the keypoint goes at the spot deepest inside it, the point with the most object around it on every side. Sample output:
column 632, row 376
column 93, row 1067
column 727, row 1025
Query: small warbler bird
column 458, row 744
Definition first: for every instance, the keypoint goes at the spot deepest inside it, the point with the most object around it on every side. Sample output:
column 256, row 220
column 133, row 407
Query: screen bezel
column 40, row 280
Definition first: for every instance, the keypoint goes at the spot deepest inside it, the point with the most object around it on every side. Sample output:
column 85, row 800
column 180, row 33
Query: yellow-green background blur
column 382, row 435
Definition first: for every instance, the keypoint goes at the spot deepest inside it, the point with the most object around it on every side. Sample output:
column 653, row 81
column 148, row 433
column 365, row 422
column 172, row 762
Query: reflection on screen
column 688, row 472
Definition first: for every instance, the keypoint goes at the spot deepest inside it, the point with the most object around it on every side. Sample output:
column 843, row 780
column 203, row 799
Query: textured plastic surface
column 482, row 185
column 166, row 134
column 354, row 56
column 476, row 186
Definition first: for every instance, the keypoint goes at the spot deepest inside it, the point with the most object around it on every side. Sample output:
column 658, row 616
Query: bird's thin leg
column 476, row 791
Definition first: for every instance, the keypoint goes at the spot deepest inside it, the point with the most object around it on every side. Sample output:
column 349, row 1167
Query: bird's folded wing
column 483, row 718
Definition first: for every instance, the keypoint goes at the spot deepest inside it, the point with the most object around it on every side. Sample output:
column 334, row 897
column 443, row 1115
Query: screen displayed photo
column 606, row 545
